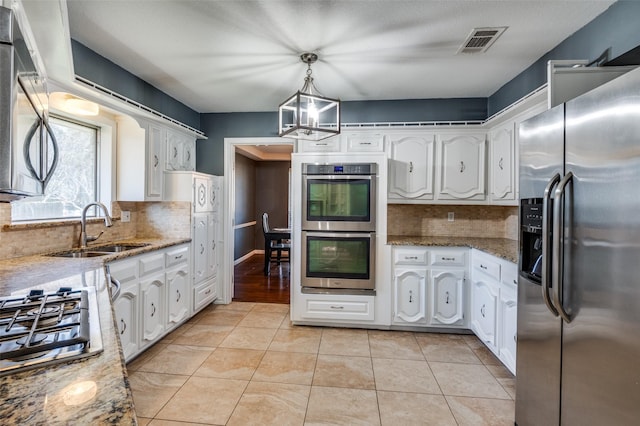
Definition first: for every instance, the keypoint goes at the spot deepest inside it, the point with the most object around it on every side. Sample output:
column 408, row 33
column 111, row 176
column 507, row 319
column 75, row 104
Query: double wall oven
column 338, row 227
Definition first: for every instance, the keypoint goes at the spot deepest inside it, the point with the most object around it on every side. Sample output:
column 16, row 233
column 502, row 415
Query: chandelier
column 307, row 114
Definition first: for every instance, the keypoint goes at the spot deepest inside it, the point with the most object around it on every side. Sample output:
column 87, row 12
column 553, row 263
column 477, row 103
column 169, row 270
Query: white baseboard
column 247, row 256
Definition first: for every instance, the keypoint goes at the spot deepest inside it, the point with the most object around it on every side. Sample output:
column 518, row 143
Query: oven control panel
column 369, row 169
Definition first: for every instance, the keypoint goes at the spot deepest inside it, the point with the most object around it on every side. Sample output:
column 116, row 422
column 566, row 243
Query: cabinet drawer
column 124, row 271
column 204, row 294
column 410, row 256
column 365, row 143
column 151, row 263
column 487, row 266
column 446, row 258
column 339, row 309
column 325, row 145
column 509, row 273
column 177, row 255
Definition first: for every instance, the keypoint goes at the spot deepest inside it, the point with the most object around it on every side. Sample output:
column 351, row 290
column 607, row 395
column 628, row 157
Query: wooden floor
column 251, row 285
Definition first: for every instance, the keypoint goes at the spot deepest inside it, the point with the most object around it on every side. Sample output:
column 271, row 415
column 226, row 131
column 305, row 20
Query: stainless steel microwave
column 28, row 149
column 339, row 197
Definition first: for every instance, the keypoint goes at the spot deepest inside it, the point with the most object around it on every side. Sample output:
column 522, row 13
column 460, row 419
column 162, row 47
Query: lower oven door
column 338, row 260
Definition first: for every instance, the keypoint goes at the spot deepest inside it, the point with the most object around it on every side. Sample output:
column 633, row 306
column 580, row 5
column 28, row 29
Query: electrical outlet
column 450, row 216
column 125, row 216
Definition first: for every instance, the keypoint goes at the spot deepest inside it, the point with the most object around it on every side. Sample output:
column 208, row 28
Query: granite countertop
column 92, row 390
column 500, row 247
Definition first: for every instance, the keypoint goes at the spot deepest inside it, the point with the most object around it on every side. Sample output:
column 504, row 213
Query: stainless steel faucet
column 84, row 238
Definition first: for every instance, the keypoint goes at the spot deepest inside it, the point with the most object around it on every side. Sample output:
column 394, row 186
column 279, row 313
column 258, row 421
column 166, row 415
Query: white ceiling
column 241, row 55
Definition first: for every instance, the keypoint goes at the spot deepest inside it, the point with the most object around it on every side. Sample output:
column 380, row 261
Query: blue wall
column 98, row 69
column 617, row 29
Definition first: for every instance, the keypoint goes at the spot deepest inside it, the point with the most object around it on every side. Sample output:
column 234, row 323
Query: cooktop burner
column 40, row 327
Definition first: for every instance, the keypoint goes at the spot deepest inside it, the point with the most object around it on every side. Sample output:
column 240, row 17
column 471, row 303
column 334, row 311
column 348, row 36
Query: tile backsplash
column 148, row 220
column 469, row 221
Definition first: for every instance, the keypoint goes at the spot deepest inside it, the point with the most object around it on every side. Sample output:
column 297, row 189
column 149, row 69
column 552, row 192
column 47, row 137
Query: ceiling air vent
column 481, row 39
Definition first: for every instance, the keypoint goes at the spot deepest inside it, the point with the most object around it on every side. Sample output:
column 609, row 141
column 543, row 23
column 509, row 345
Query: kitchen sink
column 116, row 248
column 80, row 253
column 98, row 250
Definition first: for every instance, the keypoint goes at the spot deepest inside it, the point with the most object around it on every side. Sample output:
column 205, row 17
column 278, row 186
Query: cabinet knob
column 410, row 166
column 156, row 160
column 482, row 266
column 410, row 296
column 482, row 309
column 179, row 296
column 153, row 307
column 462, row 167
column 337, row 307
column 124, row 326
column 500, row 163
column 178, row 257
column 447, row 298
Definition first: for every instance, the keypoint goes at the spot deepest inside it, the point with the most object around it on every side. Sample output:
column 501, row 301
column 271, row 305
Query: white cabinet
column 429, row 286
column 180, row 151
column 152, row 313
column 502, row 180
column 332, row 144
column 447, row 296
column 363, row 142
column 508, row 314
column 410, row 287
column 154, row 296
column 411, row 163
column 126, row 305
column 495, row 305
column 461, row 165
column 140, row 159
column 484, row 304
column 204, row 192
column 178, row 285
column 200, row 243
column 337, row 307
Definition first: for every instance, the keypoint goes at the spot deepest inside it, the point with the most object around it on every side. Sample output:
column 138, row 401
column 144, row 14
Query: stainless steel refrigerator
column 578, row 353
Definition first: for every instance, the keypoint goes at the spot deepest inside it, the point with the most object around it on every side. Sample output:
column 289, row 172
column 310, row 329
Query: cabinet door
column 462, row 172
column 153, row 308
column 214, row 193
column 410, row 299
column 501, row 164
column 175, row 151
column 508, row 326
column 201, row 194
column 484, row 303
column 178, row 295
column 126, row 311
column 212, row 253
column 155, row 166
column 411, row 166
column 189, row 155
column 200, row 243
column 447, row 297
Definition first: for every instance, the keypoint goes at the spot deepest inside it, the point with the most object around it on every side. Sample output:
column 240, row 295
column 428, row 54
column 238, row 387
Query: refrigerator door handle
column 547, row 226
column 557, row 266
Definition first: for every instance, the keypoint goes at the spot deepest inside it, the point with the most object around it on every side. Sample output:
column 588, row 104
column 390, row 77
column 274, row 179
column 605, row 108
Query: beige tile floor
column 245, row 364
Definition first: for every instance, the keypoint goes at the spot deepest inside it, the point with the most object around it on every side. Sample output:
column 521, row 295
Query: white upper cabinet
column 502, row 182
column 140, row 158
column 461, row 167
column 411, row 166
column 180, row 151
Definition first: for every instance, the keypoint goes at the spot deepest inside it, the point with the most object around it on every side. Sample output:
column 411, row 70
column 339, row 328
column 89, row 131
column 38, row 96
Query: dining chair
column 275, row 243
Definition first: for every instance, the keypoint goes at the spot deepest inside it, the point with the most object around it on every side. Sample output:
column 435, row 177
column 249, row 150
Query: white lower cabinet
column 178, row 294
column 410, row 296
column 126, row 311
column 494, row 305
column 154, row 296
column 484, row 303
column 338, row 307
column 429, row 286
column 446, row 293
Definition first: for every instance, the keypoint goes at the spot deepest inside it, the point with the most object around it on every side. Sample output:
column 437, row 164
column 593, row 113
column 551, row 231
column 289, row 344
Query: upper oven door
column 339, row 203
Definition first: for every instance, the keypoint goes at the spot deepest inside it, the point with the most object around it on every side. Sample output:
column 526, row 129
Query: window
column 74, row 182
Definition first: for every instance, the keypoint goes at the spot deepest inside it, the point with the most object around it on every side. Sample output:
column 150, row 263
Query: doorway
column 243, row 255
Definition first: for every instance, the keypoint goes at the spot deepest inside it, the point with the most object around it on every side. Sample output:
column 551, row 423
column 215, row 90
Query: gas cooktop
column 38, row 328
